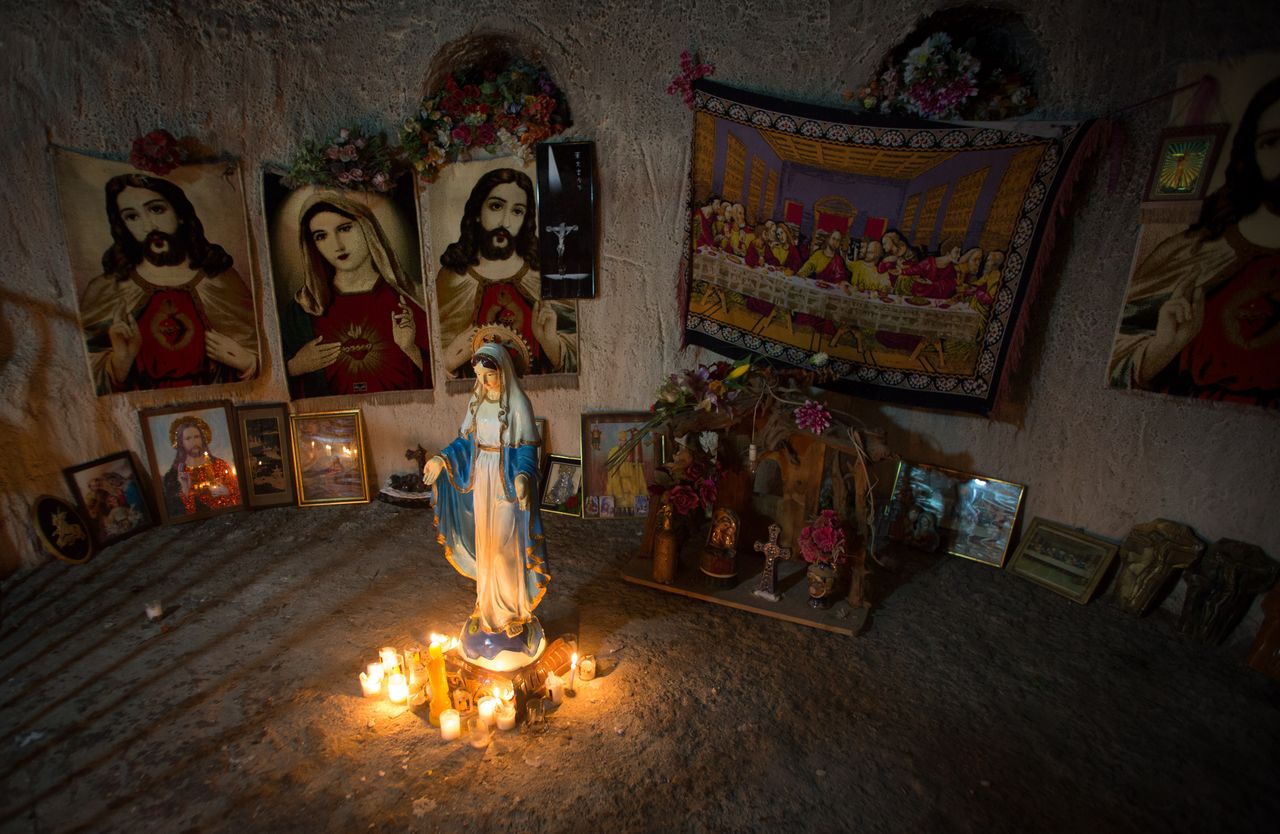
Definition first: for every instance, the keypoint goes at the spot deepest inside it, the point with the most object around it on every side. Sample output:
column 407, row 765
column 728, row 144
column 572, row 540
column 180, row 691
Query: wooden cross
column 773, row 553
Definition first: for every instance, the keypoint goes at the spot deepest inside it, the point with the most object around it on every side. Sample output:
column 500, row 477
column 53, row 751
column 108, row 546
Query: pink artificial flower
column 707, row 491
column 691, row 69
column 813, row 417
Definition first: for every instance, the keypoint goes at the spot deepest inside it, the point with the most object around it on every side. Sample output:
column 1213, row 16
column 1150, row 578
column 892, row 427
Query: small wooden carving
column 1149, row 556
column 720, row 555
column 773, row 553
column 666, row 549
column 1265, row 654
column 1221, row 587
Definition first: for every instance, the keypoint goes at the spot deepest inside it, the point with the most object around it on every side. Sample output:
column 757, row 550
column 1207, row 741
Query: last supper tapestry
column 899, row 251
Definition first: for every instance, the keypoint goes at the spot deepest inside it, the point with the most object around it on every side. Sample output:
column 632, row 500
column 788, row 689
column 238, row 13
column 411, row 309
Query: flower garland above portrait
column 939, row 80
column 350, row 159
column 497, row 112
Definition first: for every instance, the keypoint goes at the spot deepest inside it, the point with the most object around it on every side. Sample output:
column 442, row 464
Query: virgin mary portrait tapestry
column 902, row 250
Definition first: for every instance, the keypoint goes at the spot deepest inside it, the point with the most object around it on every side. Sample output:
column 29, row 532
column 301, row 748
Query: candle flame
column 573, row 662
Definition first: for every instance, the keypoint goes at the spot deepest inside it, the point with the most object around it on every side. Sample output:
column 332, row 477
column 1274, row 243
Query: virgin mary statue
column 486, row 515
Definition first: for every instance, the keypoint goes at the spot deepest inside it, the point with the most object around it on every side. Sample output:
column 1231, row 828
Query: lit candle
column 555, row 688
column 573, row 670
column 376, row 670
column 450, row 724
column 436, row 677
column 390, row 657
column 506, row 717
column 372, row 686
column 397, row 688
column 587, row 669
column 487, row 707
column 479, row 733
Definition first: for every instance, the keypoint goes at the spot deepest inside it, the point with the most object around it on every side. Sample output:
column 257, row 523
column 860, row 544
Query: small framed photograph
column 1068, row 561
column 591, row 506
column 1184, row 163
column 627, row 485
column 111, row 497
column 966, row 515
column 194, row 459
column 264, row 437
column 328, row 458
column 562, row 486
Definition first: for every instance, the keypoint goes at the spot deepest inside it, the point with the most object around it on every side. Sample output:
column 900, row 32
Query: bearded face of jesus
column 502, row 216
column 152, row 221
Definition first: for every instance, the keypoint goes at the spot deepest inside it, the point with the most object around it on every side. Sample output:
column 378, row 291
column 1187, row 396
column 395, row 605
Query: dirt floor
column 973, row 701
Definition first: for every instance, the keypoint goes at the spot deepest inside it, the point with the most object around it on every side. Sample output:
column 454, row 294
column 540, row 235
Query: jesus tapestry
column 901, row 250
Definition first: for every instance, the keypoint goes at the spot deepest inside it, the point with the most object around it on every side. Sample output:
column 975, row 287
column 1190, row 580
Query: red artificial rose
column 486, row 135
column 462, row 134
column 683, row 499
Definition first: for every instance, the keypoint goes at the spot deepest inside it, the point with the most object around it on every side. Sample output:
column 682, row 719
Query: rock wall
column 254, row 78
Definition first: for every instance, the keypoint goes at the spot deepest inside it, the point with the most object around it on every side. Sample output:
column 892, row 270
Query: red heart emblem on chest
column 357, row 347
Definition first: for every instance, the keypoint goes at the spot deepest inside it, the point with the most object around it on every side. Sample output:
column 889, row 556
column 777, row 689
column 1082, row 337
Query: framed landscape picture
column 562, row 485
column 624, row 491
column 966, row 515
column 111, row 497
column 194, row 460
column 1068, row 561
column 328, row 458
column 264, row 436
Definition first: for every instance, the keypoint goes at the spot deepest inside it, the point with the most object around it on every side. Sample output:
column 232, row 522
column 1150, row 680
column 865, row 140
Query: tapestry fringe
column 1095, row 137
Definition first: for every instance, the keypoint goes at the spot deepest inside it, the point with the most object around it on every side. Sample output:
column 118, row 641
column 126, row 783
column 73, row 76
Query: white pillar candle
column 450, row 724
column 487, row 707
column 372, row 686
column 390, row 657
column 376, row 671
column 555, row 688
column 397, row 688
column 506, row 717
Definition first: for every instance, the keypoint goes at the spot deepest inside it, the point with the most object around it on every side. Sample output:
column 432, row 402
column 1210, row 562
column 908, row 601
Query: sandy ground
column 974, row 701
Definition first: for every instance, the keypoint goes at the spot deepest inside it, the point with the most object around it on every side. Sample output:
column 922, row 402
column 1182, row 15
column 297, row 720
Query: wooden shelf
column 794, row 606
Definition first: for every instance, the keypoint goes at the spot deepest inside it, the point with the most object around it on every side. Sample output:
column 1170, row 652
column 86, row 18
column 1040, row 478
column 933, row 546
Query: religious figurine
column 719, row 555
column 1221, row 587
column 1149, row 556
column 486, row 515
column 666, row 549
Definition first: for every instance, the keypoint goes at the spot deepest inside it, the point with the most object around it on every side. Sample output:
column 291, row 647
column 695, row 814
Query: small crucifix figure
column 561, row 232
column 773, row 553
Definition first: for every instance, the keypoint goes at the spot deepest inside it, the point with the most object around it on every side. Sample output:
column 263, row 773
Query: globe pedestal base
column 501, row 652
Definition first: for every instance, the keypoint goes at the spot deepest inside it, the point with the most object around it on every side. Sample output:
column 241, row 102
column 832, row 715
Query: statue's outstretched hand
column 522, row 490
column 432, row 470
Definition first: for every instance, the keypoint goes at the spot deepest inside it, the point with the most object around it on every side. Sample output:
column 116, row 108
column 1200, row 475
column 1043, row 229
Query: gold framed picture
column 1065, row 560
column 264, row 437
column 329, row 458
column 195, row 461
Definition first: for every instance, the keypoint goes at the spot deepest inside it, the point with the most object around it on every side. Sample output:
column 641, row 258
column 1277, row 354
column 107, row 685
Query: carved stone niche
column 1221, row 587
column 1148, row 558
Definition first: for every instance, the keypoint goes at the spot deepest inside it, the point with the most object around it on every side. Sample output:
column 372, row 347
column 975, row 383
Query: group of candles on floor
column 403, row 679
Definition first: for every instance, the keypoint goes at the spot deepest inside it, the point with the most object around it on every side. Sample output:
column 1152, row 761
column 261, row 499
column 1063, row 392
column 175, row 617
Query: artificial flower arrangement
column 824, row 540
column 939, row 80
column 690, row 482
column 716, row 396
column 158, row 152
column 499, row 112
column 351, row 159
